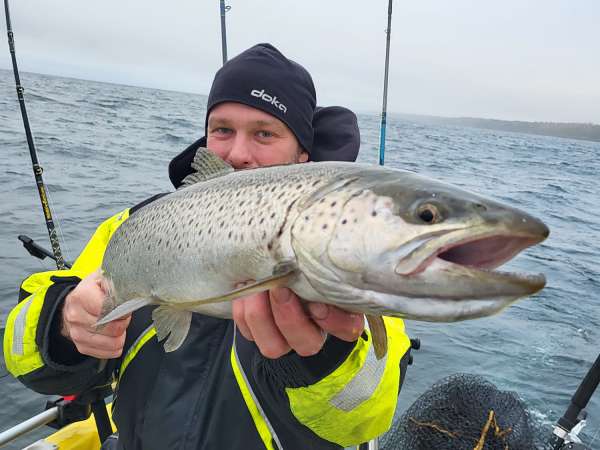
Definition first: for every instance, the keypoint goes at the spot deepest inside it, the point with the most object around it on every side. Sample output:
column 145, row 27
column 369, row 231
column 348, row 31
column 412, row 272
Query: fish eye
column 428, row 213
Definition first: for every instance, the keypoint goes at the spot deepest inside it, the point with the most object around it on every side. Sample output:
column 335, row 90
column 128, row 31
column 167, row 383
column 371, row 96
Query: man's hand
column 277, row 322
column 79, row 315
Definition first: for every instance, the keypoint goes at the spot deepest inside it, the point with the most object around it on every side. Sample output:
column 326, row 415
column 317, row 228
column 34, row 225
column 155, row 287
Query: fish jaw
column 457, row 280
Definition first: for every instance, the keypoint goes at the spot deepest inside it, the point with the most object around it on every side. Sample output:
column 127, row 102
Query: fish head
column 408, row 246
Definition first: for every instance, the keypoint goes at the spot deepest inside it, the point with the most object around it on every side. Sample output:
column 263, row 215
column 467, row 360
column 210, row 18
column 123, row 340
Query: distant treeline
column 587, row 131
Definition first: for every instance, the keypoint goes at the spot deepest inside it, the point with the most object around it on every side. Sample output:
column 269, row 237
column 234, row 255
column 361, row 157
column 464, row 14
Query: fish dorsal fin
column 206, row 165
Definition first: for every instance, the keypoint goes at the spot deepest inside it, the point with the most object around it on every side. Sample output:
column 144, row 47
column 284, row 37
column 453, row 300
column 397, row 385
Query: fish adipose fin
column 282, row 274
column 378, row 335
column 206, row 165
column 109, row 314
column 173, row 323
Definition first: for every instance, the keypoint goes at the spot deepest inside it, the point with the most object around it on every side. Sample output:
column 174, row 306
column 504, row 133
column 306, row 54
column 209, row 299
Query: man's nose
column 240, row 156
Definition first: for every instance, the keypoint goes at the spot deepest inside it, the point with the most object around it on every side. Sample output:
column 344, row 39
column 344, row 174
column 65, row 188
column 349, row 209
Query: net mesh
column 463, row 412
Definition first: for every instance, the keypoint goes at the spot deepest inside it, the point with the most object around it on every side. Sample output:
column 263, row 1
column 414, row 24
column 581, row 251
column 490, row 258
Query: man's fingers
column 88, row 295
column 78, row 317
column 94, row 301
column 114, row 328
column 237, row 309
column 342, row 324
column 97, row 345
column 299, row 330
column 260, row 321
column 74, row 315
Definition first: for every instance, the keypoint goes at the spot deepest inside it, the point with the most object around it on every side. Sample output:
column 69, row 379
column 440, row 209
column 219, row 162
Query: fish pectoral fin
column 206, row 165
column 283, row 272
column 172, row 323
column 378, row 335
column 110, row 313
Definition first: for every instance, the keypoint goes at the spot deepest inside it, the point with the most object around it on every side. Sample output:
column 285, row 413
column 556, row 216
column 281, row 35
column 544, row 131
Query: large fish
column 365, row 238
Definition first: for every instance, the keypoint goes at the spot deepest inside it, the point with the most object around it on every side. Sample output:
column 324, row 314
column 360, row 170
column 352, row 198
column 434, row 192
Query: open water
column 105, row 147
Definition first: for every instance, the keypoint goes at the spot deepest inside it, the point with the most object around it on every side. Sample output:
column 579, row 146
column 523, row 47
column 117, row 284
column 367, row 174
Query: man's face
column 247, row 137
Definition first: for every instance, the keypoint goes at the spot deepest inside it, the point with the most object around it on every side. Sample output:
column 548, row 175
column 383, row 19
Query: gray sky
column 514, row 59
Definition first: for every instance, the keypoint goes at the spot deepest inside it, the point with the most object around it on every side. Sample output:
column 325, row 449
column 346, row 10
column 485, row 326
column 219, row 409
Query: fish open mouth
column 487, row 252
column 468, row 265
column 479, row 257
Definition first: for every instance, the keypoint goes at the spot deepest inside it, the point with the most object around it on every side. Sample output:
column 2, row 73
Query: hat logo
column 272, row 99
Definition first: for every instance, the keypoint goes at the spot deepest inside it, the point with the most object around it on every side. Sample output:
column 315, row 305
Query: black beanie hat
column 261, row 77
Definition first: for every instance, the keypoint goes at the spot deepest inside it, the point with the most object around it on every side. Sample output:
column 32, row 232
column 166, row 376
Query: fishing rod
column 224, row 9
column 37, row 168
column 567, row 428
column 388, row 33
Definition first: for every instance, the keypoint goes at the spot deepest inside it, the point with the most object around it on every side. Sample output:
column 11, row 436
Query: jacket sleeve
column 342, row 395
column 34, row 350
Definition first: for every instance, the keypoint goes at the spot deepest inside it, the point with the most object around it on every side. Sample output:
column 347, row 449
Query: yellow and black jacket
column 217, row 390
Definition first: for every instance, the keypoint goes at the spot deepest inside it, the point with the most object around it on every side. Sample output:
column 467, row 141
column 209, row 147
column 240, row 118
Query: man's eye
column 264, row 134
column 221, row 130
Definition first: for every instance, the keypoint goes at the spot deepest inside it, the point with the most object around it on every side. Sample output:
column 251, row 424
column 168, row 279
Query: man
column 280, row 376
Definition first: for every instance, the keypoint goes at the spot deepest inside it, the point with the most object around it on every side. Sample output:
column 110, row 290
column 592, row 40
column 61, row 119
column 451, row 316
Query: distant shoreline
column 574, row 130
column 581, row 131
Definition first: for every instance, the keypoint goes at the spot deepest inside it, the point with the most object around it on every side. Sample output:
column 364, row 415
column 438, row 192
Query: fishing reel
column 569, row 440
